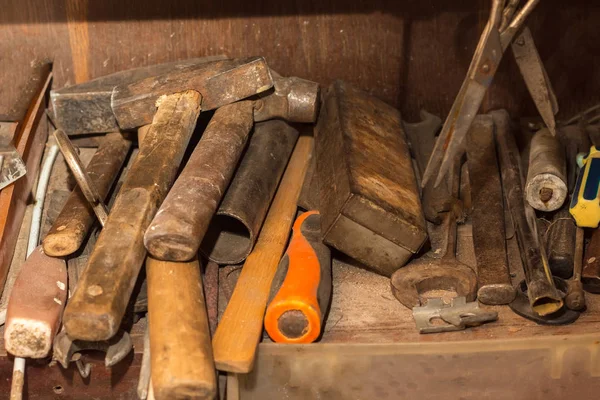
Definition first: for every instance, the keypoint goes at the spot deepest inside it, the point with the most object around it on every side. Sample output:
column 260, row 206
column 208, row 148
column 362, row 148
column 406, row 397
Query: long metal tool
column 543, row 296
column 488, row 54
column 487, row 214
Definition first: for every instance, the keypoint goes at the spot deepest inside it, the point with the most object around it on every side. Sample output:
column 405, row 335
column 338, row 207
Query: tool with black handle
column 302, row 286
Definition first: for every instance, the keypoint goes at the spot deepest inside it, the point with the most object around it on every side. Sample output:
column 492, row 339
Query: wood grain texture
column 411, row 54
column 180, row 347
column 240, row 328
column 77, row 216
column 79, row 40
column 29, row 141
column 97, row 307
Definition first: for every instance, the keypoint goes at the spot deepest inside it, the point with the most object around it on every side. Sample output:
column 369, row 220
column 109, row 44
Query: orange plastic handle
column 298, row 292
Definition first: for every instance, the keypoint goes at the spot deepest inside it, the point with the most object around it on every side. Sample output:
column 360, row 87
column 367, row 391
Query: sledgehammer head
column 35, row 306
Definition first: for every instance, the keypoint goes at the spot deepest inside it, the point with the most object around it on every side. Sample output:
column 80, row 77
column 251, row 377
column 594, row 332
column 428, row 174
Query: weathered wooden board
column 411, row 54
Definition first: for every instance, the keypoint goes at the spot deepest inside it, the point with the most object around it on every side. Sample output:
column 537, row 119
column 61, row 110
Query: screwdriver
column 585, row 204
column 302, row 285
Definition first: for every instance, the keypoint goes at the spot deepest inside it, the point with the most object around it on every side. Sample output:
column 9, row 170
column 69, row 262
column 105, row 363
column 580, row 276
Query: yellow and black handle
column 585, row 203
column 301, row 289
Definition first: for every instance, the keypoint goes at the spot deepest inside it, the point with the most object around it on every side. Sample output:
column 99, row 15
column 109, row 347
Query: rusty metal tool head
column 293, row 99
column 127, row 99
column 81, row 176
column 434, row 277
column 488, row 54
column 67, row 350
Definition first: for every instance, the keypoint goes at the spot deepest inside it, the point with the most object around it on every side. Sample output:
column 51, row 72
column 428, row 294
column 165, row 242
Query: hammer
column 126, row 100
column 177, row 230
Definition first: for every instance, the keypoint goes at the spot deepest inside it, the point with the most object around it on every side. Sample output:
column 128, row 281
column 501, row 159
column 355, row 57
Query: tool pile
column 256, row 179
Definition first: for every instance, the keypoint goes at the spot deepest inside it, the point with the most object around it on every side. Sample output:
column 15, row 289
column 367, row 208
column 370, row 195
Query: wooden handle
column 302, row 285
column 182, row 220
column 98, row 304
column 240, row 328
column 77, row 216
column 180, row 348
column 35, row 306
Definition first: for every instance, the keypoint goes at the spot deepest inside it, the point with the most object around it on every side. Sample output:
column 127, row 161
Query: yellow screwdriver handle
column 585, row 202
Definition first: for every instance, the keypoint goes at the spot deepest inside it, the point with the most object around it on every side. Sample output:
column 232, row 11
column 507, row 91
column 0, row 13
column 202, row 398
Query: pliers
column 500, row 30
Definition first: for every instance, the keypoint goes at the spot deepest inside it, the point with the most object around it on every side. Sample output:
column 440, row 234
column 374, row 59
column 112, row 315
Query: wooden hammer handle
column 240, row 328
column 180, row 348
column 77, row 216
column 178, row 228
column 98, row 304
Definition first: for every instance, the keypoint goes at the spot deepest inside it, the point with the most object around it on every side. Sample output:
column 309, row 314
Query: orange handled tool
column 302, row 285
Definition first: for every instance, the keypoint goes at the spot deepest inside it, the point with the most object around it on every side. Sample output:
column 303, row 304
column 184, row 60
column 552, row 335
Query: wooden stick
column 98, row 304
column 77, row 217
column 180, row 350
column 240, row 328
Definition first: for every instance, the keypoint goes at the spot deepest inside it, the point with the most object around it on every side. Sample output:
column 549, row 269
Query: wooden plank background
column 410, row 53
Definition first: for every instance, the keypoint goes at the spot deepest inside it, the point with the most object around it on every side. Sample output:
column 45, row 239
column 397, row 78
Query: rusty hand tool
column 302, row 285
column 434, row 274
column 487, row 214
column 97, row 307
column 575, row 298
column 293, row 99
column 179, row 226
column 29, row 140
column 219, row 82
column 67, row 350
column 590, row 275
column 488, row 54
column 421, row 136
column 368, row 194
column 240, row 328
column 127, row 99
column 546, row 186
column 180, row 349
column 233, row 230
column 543, row 296
column 77, row 216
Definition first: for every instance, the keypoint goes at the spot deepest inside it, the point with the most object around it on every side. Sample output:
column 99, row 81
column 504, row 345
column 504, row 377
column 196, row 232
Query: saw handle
column 302, row 286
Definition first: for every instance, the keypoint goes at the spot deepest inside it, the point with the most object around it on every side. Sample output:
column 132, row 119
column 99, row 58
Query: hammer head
column 127, row 99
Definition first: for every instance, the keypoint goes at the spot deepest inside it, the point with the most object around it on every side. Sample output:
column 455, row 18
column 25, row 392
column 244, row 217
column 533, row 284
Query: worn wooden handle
column 182, row 220
column 180, row 348
column 35, row 305
column 77, row 216
column 240, row 328
column 98, row 304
